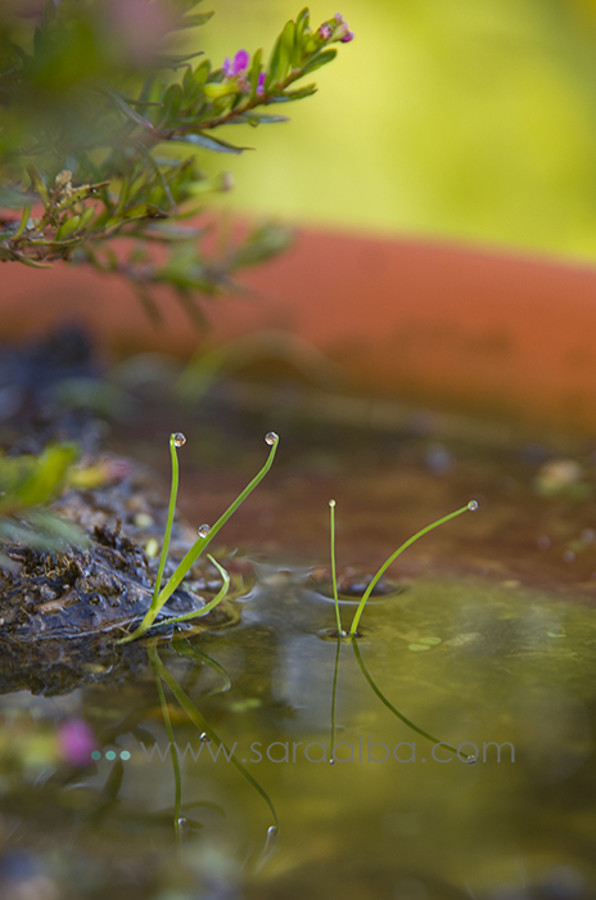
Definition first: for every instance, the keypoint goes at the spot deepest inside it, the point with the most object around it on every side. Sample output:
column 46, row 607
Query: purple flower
column 325, row 31
column 237, row 66
column 343, row 32
column 238, row 69
column 76, row 742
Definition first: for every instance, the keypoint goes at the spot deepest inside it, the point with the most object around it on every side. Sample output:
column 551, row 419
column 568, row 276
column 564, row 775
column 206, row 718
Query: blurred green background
column 472, row 120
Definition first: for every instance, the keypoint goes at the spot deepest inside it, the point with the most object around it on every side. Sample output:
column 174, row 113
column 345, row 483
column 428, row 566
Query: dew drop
column 179, row 439
column 203, row 530
column 473, row 505
column 182, row 823
column 331, row 762
column 272, row 832
column 204, row 737
column 271, row 438
column 332, row 503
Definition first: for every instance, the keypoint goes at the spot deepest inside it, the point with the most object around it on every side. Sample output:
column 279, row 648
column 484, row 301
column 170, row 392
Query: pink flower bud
column 76, row 742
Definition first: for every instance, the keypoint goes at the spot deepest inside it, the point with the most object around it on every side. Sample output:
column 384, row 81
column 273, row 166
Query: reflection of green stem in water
column 390, row 705
column 152, row 652
column 197, row 719
column 334, row 694
column 472, row 505
column 184, row 648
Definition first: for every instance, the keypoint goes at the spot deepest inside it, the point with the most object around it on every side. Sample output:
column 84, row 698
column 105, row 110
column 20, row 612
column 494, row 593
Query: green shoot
column 206, row 535
column 471, row 506
column 221, row 594
column 176, row 440
column 340, row 632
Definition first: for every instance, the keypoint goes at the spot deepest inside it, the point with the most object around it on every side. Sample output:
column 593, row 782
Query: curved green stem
column 221, row 594
column 376, row 578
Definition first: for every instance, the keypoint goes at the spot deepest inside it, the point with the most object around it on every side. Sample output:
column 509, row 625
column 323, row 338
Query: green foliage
column 102, row 124
column 28, row 482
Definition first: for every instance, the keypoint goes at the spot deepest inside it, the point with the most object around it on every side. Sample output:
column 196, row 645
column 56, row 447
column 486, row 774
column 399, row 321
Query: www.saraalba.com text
column 364, row 749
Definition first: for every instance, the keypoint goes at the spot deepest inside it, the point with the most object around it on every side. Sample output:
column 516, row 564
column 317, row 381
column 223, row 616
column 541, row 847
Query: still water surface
column 499, row 671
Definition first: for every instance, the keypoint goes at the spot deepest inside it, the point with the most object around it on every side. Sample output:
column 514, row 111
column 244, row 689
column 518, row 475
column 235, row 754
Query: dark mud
column 63, row 612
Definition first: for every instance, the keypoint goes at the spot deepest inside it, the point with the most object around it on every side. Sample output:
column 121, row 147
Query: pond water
column 498, row 672
column 460, row 725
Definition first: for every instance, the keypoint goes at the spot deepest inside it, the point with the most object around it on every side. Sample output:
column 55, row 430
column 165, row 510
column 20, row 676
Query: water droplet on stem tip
column 179, row 439
column 271, row 438
column 203, row 530
column 473, row 505
column 332, row 503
